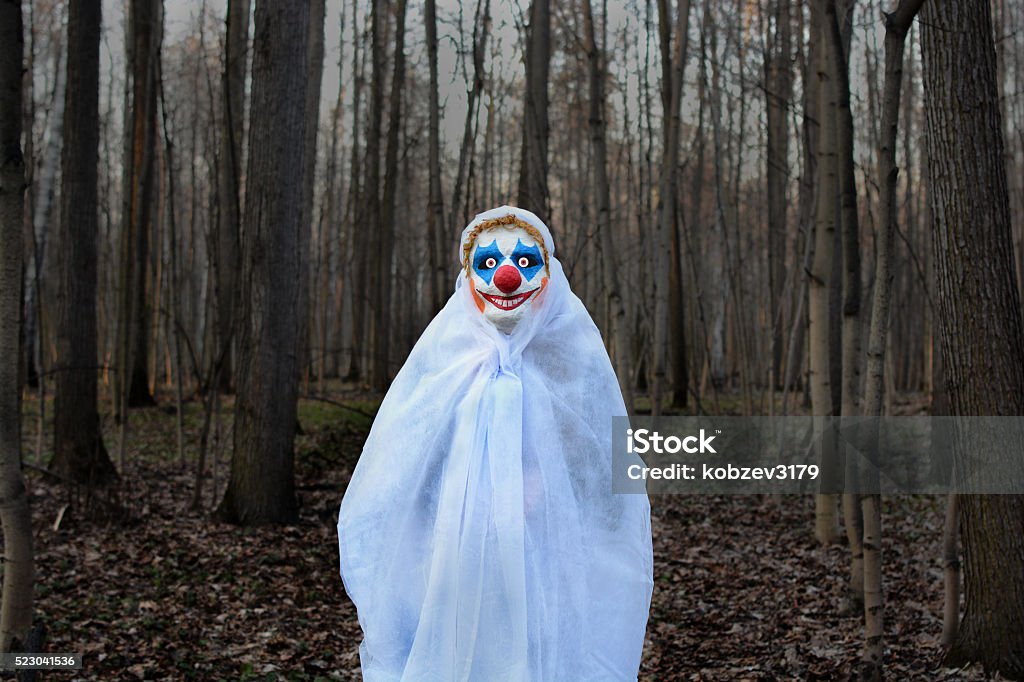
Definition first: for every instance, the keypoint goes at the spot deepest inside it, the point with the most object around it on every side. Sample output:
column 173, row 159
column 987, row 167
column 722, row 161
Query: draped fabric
column 479, row 535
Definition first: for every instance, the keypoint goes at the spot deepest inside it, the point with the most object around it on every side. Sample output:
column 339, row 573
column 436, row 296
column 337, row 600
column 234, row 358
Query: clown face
column 507, row 272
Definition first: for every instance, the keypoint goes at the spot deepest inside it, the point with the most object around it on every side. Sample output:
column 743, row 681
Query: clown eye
column 525, row 262
column 490, row 262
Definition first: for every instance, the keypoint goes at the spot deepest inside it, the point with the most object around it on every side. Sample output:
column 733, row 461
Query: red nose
column 507, row 279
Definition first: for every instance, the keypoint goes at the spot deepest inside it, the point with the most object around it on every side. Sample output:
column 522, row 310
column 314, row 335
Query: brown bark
column 533, row 168
column 314, row 73
column 438, row 287
column 618, row 332
column 79, row 453
column 978, row 309
column 897, row 25
column 141, row 191
column 820, row 275
column 386, row 252
column 261, row 488
column 779, row 91
column 665, row 220
column 229, row 182
column 15, row 516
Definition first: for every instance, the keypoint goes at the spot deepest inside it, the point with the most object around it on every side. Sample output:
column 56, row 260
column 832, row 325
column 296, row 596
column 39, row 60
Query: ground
column 162, row 591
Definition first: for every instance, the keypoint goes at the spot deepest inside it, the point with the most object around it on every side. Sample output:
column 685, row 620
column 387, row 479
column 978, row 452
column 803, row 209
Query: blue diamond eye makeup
column 486, row 261
column 528, row 259
column 506, row 275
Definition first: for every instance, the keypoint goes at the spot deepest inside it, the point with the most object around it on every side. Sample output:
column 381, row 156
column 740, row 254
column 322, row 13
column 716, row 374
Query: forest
column 224, row 225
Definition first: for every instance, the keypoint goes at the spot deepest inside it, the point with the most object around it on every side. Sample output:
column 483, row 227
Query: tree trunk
column 897, row 25
column 850, row 404
column 820, row 276
column 78, row 451
column 533, row 165
column 19, row 566
column 261, row 488
column 371, row 226
column 229, row 183
column 779, row 91
column 665, row 220
column 314, row 73
column 618, row 333
column 356, row 275
column 481, row 31
column 143, row 46
column 386, row 254
column 437, row 284
column 978, row 308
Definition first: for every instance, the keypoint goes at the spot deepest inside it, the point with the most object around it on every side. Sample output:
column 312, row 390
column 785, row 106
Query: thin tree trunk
column 850, row 403
column 951, row 572
column 481, row 31
column 229, row 175
column 533, row 168
column 371, row 192
column 618, row 333
column 314, row 74
column 437, row 286
column 820, row 275
column 897, row 25
column 385, row 254
column 175, row 275
column 145, row 33
column 356, row 275
column 779, row 80
column 665, row 221
column 15, row 516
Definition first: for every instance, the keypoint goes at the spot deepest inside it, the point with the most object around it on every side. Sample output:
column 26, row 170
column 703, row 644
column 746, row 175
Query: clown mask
column 507, row 271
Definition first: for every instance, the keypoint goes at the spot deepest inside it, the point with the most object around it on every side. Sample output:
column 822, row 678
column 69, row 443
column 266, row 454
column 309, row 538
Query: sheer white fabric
column 479, row 536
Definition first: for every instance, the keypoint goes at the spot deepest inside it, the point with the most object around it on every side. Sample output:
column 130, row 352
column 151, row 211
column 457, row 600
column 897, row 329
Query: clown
column 479, row 537
column 507, row 267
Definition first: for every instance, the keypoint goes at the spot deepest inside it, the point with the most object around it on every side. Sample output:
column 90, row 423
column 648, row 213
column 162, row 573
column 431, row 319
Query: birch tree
column 897, row 25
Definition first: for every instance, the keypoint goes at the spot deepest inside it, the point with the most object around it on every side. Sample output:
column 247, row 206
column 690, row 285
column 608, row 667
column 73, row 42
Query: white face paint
column 506, row 271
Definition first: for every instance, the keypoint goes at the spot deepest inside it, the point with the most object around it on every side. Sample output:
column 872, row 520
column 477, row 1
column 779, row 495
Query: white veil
column 479, row 535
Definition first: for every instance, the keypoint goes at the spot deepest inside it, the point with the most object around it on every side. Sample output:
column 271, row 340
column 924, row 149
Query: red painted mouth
column 508, row 302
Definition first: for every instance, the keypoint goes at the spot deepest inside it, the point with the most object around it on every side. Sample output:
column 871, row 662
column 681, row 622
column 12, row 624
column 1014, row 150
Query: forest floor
column 161, row 591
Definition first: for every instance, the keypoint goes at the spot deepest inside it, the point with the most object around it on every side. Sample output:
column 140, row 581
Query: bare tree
column 435, row 207
column 314, row 74
column 619, row 334
column 897, row 25
column 820, row 274
column 778, row 92
column 19, row 564
column 665, row 222
column 385, row 254
column 261, row 488
column 533, row 169
column 139, row 201
column 979, row 309
column 78, row 450
column 229, row 178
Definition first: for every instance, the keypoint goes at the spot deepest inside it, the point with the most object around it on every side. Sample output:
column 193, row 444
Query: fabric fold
column 479, row 538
